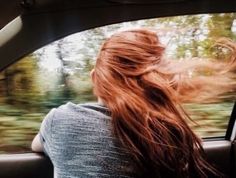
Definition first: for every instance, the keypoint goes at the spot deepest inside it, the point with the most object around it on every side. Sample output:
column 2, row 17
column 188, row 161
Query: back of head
column 142, row 92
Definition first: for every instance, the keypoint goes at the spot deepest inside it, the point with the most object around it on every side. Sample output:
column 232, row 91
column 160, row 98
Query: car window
column 59, row 72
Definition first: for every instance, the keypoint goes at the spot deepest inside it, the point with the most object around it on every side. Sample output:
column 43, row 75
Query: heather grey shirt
column 79, row 141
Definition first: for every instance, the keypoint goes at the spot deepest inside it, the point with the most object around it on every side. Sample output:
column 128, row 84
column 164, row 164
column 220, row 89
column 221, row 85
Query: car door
column 44, row 22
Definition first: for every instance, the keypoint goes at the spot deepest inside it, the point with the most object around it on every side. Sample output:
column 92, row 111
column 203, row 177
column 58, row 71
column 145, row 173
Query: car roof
column 35, row 23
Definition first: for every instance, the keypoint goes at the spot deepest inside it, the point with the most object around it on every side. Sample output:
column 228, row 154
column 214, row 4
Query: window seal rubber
column 231, row 130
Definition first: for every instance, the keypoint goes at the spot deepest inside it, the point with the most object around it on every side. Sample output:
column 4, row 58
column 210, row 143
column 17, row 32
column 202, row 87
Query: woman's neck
column 100, row 102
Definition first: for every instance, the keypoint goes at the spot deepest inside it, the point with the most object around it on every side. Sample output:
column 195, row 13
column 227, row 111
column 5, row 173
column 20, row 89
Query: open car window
column 59, row 72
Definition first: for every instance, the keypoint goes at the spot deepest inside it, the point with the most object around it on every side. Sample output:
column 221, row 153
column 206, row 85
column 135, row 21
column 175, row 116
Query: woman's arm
column 36, row 144
column 39, row 143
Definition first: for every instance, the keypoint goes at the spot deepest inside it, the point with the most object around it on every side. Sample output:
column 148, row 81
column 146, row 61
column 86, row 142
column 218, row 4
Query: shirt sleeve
column 45, row 132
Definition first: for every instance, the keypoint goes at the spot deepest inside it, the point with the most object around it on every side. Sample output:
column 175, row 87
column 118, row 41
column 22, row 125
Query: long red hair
column 143, row 91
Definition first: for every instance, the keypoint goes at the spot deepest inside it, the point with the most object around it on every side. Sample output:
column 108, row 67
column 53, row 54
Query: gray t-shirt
column 79, row 141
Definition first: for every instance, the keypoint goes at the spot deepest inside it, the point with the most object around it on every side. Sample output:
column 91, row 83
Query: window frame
column 231, row 124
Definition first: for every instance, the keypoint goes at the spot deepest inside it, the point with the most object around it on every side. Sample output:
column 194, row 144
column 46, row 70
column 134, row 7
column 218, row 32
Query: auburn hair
column 144, row 92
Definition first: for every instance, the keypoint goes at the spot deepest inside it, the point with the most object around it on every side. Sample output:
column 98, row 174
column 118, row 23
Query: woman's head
column 143, row 91
column 125, row 55
column 122, row 61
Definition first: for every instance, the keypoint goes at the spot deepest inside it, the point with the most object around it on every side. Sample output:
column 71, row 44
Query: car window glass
column 59, row 72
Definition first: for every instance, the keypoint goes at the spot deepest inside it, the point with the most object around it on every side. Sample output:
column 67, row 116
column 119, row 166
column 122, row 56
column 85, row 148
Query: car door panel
column 33, row 165
column 28, row 165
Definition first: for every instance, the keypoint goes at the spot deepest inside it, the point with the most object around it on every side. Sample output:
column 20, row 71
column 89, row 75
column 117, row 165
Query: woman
column 138, row 127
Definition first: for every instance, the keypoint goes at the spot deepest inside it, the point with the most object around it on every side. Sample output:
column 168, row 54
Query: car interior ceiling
column 43, row 21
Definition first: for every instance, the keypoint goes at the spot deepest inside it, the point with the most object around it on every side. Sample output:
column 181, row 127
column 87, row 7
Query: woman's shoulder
column 85, row 108
column 87, row 112
column 71, row 123
column 79, row 117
